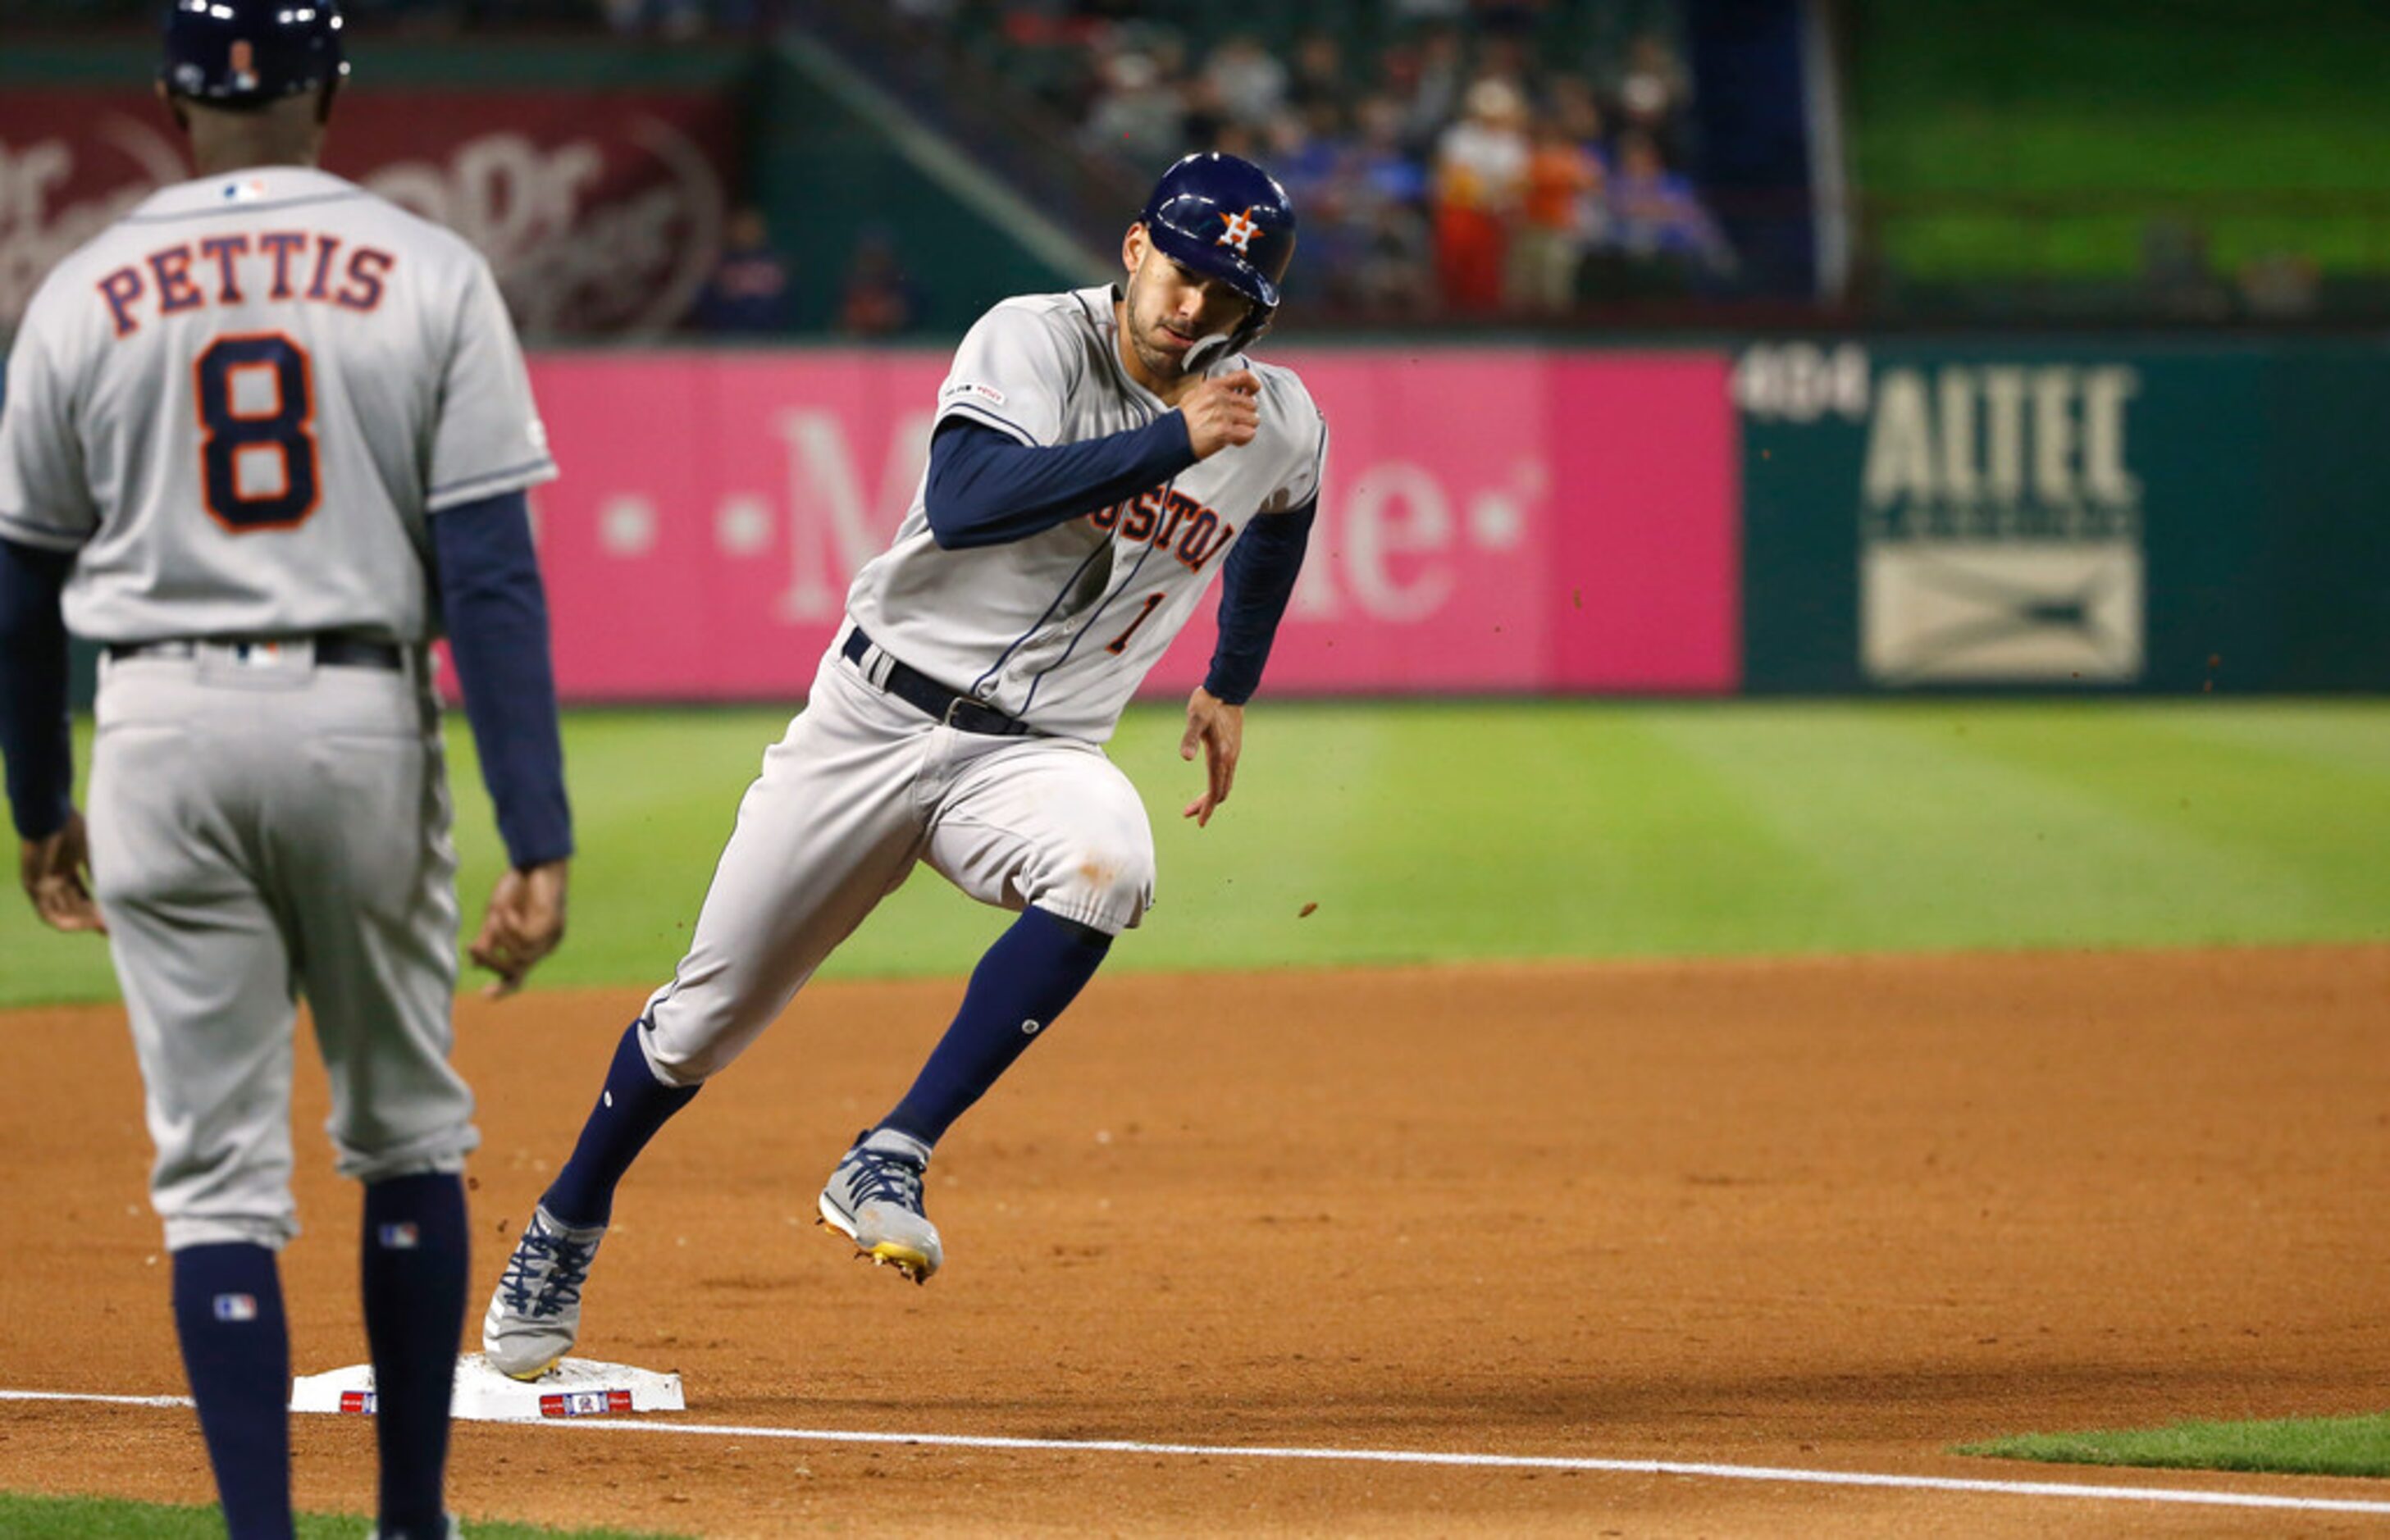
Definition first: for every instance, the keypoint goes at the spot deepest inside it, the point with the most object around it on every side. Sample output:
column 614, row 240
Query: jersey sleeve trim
column 49, row 537
column 978, row 412
column 514, row 478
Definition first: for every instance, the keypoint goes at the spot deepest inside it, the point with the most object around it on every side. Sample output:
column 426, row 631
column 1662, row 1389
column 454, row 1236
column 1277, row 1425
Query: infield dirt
column 1833, row 1214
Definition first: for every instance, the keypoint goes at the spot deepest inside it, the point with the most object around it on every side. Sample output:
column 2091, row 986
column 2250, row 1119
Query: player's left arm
column 35, row 739
column 487, row 448
column 1260, row 578
column 495, row 609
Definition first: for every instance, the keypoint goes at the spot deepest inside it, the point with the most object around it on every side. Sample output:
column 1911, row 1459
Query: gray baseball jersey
column 1060, row 628
column 239, row 406
column 241, row 401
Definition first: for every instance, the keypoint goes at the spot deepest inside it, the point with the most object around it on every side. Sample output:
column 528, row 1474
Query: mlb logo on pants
column 399, row 1237
column 235, row 1307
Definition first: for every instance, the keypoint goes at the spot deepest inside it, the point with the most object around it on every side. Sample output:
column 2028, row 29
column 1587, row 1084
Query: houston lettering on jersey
column 1170, row 521
column 235, row 269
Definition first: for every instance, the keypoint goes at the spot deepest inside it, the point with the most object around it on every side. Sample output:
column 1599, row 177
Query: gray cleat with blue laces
column 874, row 1199
column 536, row 1315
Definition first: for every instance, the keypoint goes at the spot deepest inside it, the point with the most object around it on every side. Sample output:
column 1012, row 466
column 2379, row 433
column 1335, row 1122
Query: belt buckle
column 955, row 708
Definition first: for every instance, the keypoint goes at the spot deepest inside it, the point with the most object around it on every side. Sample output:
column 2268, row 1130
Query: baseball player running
column 259, row 437
column 1098, row 458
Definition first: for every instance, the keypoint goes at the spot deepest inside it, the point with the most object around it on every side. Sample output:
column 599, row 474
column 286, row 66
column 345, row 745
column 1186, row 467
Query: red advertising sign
column 602, row 212
column 1492, row 521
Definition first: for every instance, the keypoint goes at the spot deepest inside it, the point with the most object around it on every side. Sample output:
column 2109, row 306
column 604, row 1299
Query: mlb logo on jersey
column 235, row 1307
column 399, row 1237
column 243, row 190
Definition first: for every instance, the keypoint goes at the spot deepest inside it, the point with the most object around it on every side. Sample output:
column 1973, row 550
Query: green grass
column 2209, row 109
column 2318, row 1446
column 23, row 1518
column 1447, row 832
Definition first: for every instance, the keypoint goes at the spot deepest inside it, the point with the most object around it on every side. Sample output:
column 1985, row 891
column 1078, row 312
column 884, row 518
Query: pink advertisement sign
column 1493, row 520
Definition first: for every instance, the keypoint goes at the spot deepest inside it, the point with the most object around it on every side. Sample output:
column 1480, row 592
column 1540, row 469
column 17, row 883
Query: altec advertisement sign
column 1492, row 521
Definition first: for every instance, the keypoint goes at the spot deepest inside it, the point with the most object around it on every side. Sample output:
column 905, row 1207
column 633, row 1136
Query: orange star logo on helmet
column 1240, row 232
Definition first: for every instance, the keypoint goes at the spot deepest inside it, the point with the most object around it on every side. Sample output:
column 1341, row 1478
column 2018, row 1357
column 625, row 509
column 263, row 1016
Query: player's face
column 1172, row 307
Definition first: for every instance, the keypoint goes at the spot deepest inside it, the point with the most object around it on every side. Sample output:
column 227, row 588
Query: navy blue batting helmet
column 1227, row 218
column 247, row 53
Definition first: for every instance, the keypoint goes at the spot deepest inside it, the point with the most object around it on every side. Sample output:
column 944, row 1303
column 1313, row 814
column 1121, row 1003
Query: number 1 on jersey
column 257, row 457
column 1120, row 644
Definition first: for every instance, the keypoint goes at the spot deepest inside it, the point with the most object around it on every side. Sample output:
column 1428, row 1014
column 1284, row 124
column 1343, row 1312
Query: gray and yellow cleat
column 535, row 1315
column 874, row 1199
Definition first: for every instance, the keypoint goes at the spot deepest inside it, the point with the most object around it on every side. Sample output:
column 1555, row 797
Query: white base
column 575, row 1387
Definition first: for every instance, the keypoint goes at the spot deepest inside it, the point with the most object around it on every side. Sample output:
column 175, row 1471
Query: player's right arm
column 46, row 515
column 998, row 471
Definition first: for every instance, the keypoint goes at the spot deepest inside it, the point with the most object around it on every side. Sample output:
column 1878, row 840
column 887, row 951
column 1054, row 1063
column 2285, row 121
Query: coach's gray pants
column 260, row 829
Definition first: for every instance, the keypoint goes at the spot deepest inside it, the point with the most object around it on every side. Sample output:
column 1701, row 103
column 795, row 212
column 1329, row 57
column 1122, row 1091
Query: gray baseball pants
column 264, row 828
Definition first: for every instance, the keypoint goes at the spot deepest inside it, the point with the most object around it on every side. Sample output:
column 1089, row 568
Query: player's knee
column 1104, row 883
column 682, row 1054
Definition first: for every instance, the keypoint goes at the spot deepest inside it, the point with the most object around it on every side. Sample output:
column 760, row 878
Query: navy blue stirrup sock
column 236, row 1351
column 414, row 1261
column 1028, row 978
column 630, row 1109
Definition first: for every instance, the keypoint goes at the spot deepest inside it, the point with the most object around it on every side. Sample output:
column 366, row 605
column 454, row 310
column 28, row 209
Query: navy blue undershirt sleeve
column 1253, row 590
column 496, row 613
column 34, row 735
column 986, row 488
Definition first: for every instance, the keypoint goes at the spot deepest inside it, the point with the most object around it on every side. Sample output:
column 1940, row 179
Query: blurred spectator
column 1206, row 116
column 1481, row 172
column 1138, row 115
column 1304, row 162
column 1384, row 194
column 1380, row 168
column 1320, row 78
column 2175, row 281
column 1563, row 178
column 1652, row 90
column 1252, row 84
column 2281, row 286
column 1578, row 114
column 879, row 300
column 1658, row 226
column 748, row 291
column 1432, row 87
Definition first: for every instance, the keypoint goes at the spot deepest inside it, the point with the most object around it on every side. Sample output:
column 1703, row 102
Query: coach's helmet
column 1227, row 218
column 243, row 54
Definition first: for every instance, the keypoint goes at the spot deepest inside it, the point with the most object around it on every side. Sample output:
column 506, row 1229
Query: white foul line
column 2184, row 1495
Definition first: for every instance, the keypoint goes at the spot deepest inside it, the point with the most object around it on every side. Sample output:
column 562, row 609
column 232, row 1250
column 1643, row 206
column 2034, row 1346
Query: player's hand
column 524, row 922
column 56, row 871
column 1219, row 728
column 1222, row 412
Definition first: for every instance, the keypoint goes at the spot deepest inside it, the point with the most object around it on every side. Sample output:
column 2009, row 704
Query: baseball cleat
column 535, row 1315
column 874, row 1200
